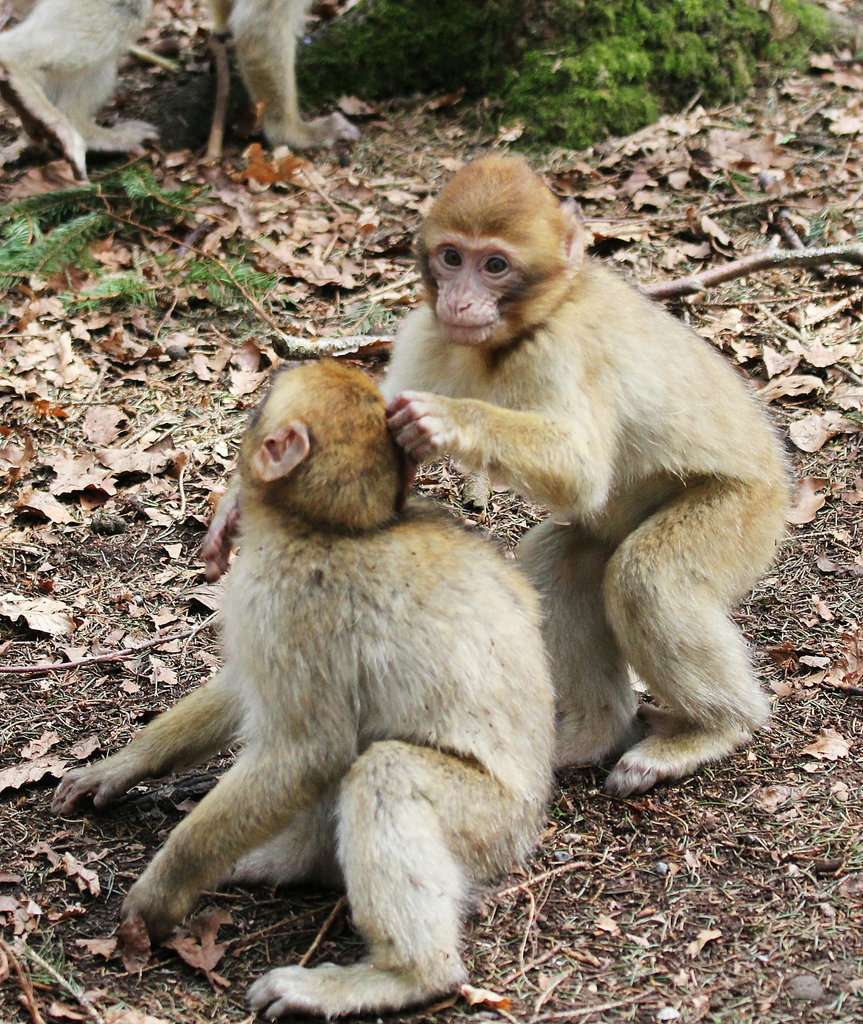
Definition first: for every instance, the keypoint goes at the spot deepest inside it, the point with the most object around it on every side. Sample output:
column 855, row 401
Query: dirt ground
column 732, row 895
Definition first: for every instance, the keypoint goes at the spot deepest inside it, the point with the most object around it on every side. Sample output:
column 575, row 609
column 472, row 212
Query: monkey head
column 318, row 448
column 497, row 252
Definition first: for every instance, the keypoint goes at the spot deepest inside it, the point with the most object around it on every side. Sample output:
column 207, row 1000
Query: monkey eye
column 496, row 265
column 451, row 257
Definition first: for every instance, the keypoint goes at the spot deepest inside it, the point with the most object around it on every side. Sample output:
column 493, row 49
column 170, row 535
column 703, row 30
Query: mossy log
column 571, row 71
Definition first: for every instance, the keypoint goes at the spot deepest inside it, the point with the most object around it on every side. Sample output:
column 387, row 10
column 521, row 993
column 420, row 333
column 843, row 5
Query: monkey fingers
column 104, row 781
column 419, row 424
column 216, row 549
column 160, row 908
column 333, row 128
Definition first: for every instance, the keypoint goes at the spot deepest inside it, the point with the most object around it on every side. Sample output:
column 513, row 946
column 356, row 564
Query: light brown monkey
column 547, row 371
column 61, row 66
column 386, row 675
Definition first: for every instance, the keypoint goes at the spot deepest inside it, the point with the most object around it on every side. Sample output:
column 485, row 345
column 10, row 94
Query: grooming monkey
column 385, row 674
column 61, row 66
column 543, row 369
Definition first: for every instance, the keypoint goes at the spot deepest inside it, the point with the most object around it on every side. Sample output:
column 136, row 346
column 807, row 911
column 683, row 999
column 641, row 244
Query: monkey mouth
column 470, row 334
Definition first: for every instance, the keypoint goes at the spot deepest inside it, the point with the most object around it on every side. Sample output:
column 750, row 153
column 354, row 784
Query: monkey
column 61, row 66
column 539, row 366
column 386, row 677
column 265, row 34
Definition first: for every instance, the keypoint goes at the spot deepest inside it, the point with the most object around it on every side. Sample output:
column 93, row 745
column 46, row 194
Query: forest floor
column 732, row 895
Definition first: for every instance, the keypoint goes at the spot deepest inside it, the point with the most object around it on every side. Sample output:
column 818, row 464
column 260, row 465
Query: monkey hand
column 421, row 424
column 104, row 781
column 216, row 549
column 160, row 905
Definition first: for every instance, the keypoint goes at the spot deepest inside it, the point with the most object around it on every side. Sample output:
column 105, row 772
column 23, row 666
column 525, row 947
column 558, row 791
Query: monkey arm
column 251, row 804
column 536, row 455
column 201, row 724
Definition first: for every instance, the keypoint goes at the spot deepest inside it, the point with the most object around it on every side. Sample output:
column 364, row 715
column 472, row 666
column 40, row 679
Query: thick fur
column 389, row 688
column 665, row 480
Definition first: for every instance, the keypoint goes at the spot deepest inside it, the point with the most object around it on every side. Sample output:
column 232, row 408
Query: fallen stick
column 770, row 259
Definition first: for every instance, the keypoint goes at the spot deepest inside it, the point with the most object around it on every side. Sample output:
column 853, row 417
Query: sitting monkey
column 385, row 674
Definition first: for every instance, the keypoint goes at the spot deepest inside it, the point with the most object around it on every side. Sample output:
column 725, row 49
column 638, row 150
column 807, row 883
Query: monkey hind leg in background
column 386, row 677
column 60, row 66
column 265, row 35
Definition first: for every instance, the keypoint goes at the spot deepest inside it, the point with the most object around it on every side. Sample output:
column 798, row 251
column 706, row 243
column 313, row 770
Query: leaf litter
column 732, row 894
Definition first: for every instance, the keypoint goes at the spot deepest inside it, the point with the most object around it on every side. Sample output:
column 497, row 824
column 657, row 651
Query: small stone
column 107, row 525
column 805, row 986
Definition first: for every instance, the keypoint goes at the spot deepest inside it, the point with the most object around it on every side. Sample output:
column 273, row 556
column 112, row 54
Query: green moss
column 572, row 71
column 389, row 48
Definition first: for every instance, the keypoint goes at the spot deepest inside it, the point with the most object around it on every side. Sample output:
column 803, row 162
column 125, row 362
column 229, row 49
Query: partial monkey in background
column 60, row 66
column 546, row 371
column 265, row 34
column 385, row 674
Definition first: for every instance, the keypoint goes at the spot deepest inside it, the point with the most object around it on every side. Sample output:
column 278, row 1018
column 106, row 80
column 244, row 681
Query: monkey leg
column 250, row 805
column 416, row 828
column 595, row 703
column 204, row 722
column 40, row 118
column 303, row 852
column 81, row 94
column 668, row 589
column 265, row 33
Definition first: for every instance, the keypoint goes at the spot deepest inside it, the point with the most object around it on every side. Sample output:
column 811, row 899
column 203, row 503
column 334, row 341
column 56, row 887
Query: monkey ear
column 575, row 236
column 281, row 451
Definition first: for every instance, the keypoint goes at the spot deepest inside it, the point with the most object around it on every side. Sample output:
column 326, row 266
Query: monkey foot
column 321, row 133
column 669, row 755
column 578, row 743
column 333, row 991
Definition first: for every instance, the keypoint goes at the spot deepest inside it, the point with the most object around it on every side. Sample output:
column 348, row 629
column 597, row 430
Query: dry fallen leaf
column 768, row 798
column 134, row 943
column 40, row 747
column 477, row 996
column 809, row 497
column 45, row 505
column 87, row 879
column 31, row 771
column 607, row 924
column 99, row 947
column 122, row 1015
column 701, row 940
column 829, row 746
column 196, row 942
column 42, row 614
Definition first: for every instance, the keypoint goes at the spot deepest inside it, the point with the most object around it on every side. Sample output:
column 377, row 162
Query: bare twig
column 24, row 982
column 148, row 57
column 216, row 46
column 97, row 659
column 349, row 345
column 750, row 264
column 522, row 886
column 338, row 908
column 786, row 229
